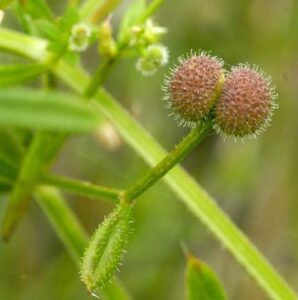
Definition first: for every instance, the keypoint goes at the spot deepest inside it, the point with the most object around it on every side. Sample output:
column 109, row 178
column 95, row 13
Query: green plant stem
column 82, row 188
column 95, row 10
column 31, row 48
column 179, row 152
column 150, row 10
column 21, row 193
column 107, row 7
column 54, row 145
column 63, row 220
column 193, row 195
column 100, row 76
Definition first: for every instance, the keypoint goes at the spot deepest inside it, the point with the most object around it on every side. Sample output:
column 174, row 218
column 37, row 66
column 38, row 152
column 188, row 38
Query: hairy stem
column 63, row 220
column 96, row 10
column 82, row 188
column 100, row 76
column 150, row 10
column 180, row 151
column 107, row 7
column 21, row 193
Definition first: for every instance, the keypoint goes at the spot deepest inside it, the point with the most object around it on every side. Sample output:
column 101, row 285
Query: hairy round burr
column 246, row 103
column 193, row 87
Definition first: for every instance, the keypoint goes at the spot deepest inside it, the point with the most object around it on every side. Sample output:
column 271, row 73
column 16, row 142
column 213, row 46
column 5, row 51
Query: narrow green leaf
column 115, row 291
column 47, row 29
column 45, row 110
column 89, row 7
column 19, row 73
column 201, row 281
column 27, row 177
column 5, row 184
column 106, row 248
column 25, row 20
column 63, row 220
column 23, row 45
column 131, row 15
column 69, row 18
column 12, row 145
column 7, row 169
column 38, row 9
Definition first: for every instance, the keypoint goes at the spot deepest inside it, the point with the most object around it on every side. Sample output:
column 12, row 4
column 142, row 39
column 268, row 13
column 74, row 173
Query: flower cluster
column 153, row 57
column 146, row 39
column 79, row 37
column 239, row 102
column 146, row 34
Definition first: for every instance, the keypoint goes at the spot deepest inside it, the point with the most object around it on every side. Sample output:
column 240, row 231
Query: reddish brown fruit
column 193, row 87
column 246, row 102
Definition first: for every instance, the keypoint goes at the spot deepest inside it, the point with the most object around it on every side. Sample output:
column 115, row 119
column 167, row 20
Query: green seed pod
column 193, row 87
column 106, row 248
column 246, row 103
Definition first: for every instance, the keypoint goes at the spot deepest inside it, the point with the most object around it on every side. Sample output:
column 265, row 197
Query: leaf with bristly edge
column 106, row 248
column 18, row 73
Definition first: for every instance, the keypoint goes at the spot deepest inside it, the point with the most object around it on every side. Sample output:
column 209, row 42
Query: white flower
column 79, row 37
column 153, row 57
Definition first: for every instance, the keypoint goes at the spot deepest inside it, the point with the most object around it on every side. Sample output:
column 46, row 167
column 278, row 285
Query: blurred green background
column 255, row 182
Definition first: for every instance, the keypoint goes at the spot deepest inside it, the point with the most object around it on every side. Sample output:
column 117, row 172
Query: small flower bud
column 153, row 32
column 153, row 57
column 192, row 88
column 246, row 102
column 145, row 34
column 79, row 37
column 106, row 46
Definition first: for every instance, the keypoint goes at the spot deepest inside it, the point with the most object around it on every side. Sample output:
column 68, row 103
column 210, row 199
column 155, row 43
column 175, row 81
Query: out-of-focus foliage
column 47, row 110
column 201, row 282
column 254, row 182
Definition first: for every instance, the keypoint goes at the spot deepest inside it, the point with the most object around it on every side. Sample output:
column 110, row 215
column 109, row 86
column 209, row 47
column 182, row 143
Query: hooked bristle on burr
column 193, row 87
column 246, row 102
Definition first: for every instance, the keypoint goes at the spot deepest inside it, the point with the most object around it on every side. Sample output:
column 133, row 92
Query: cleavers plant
column 199, row 92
